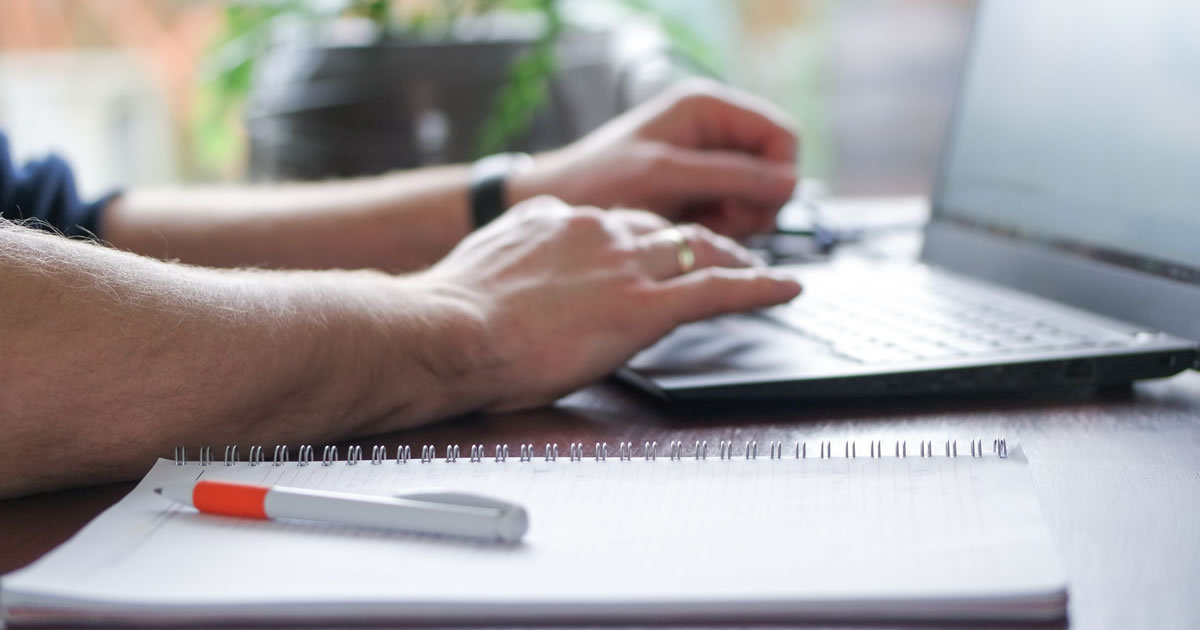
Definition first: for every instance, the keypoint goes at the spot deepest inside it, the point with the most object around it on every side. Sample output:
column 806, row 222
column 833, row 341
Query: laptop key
column 882, row 324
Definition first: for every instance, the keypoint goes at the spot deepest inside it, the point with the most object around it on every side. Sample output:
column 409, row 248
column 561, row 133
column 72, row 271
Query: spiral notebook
column 819, row 531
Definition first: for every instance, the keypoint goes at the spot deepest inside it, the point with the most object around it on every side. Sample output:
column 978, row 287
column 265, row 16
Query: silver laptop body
column 1064, row 247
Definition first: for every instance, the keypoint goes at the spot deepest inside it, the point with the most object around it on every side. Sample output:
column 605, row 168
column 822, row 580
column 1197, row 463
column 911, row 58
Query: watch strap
column 489, row 177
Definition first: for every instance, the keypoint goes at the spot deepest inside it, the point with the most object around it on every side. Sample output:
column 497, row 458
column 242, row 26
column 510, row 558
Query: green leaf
column 527, row 88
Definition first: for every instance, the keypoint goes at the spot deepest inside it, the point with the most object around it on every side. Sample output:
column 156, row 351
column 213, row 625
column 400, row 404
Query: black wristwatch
column 488, row 178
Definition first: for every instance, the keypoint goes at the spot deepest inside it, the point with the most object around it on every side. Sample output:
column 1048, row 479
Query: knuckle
column 697, row 235
column 696, row 89
column 585, row 221
column 641, row 218
column 655, row 156
column 541, row 202
column 540, row 206
column 728, row 245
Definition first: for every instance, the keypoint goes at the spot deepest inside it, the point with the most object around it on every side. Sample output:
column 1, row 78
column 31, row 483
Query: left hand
column 701, row 152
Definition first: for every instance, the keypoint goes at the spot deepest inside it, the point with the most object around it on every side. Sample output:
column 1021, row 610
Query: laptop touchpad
column 734, row 347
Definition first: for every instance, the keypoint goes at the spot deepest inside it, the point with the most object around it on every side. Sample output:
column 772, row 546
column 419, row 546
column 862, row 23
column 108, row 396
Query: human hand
column 701, row 152
column 563, row 296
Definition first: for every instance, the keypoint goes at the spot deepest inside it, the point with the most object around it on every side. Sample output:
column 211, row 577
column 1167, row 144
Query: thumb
column 715, row 291
column 699, row 174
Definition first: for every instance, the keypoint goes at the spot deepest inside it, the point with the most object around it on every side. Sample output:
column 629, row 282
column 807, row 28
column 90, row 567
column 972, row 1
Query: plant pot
column 320, row 111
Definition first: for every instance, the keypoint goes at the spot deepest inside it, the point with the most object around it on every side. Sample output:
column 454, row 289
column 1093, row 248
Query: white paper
column 883, row 537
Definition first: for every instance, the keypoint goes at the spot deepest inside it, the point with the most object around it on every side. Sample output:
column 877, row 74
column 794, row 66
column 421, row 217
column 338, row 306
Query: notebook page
column 678, row 532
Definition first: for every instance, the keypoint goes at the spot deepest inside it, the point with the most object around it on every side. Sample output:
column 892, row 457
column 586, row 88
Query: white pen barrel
column 386, row 512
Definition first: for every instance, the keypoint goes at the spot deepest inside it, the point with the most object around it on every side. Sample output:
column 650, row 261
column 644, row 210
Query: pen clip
column 462, row 499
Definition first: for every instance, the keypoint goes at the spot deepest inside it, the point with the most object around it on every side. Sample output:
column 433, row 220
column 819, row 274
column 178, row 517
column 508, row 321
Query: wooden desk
column 1117, row 472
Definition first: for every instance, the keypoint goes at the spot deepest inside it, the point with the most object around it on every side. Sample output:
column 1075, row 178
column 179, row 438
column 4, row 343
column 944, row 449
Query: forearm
column 109, row 359
column 396, row 222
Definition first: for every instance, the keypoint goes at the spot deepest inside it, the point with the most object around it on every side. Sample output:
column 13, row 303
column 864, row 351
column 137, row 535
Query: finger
column 639, row 221
column 735, row 219
column 730, row 119
column 661, row 255
column 708, row 175
column 718, row 290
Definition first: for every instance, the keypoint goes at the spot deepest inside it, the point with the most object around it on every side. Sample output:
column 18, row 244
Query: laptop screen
column 1078, row 126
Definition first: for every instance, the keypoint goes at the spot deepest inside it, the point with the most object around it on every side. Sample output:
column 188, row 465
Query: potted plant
column 365, row 86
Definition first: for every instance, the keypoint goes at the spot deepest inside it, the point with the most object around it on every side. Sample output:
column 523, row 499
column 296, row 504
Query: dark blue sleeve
column 42, row 194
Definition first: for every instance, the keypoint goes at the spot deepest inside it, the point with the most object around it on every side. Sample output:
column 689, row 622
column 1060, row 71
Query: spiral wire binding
column 577, row 452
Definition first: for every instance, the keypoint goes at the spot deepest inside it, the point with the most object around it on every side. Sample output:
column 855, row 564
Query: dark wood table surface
column 1117, row 473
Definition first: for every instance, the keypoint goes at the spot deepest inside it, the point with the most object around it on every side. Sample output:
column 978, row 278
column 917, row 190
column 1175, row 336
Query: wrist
column 548, row 176
column 417, row 347
column 491, row 178
column 454, row 343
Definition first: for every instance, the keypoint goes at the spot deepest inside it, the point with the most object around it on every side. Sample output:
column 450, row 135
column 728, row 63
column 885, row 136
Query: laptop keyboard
column 915, row 315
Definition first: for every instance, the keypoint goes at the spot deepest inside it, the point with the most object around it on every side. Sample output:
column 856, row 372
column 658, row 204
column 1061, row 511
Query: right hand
column 563, row 295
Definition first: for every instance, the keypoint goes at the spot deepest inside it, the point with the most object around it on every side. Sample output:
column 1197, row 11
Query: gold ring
column 684, row 251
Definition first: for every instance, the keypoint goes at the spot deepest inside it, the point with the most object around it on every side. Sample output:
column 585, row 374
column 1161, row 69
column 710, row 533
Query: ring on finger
column 683, row 249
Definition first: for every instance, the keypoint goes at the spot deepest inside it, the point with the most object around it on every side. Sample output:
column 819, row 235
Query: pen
column 448, row 513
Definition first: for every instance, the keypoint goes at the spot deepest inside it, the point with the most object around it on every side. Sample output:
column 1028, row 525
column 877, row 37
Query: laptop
column 1064, row 243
